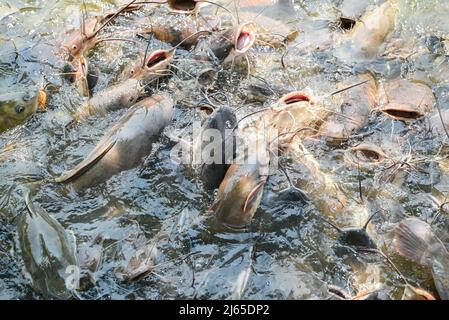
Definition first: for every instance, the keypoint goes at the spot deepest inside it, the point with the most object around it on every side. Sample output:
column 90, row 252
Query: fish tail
column 414, row 239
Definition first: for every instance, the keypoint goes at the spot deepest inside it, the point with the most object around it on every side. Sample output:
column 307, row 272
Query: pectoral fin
column 29, row 204
column 96, row 155
column 414, row 239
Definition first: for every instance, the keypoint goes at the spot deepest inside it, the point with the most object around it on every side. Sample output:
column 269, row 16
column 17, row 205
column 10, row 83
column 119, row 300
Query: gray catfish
column 127, row 92
column 415, row 240
column 125, row 144
column 227, row 44
column 182, row 30
column 356, row 105
column 407, row 100
column 47, row 252
column 363, row 42
column 218, row 126
column 241, row 190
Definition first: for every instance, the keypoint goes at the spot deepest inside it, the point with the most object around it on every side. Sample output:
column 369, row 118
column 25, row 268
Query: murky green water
column 288, row 251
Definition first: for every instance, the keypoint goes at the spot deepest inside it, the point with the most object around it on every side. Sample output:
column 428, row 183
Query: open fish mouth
column 366, row 153
column 182, row 6
column 346, row 23
column 245, row 38
column 295, row 97
column 402, row 112
column 159, row 59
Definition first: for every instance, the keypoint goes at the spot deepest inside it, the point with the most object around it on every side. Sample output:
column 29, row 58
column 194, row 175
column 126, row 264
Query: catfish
column 218, row 126
column 241, row 190
column 125, row 145
column 47, row 251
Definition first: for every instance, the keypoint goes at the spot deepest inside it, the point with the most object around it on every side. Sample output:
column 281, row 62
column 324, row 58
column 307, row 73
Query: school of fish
column 195, row 57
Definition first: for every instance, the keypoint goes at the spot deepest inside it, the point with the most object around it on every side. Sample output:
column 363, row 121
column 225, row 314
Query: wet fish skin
column 354, row 8
column 415, row 240
column 240, row 192
column 79, row 42
column 356, row 237
column 125, row 144
column 127, row 92
column 46, row 250
column 439, row 124
column 121, row 95
column 16, row 107
column 181, row 28
column 320, row 187
column 407, row 100
column 363, row 42
column 222, row 119
column 220, row 44
column 227, row 44
column 356, row 105
column 139, row 264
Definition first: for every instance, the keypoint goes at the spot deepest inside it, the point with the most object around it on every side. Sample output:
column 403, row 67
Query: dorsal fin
column 105, row 144
column 96, row 155
column 29, row 204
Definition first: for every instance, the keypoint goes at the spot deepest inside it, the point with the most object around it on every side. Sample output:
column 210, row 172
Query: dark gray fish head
column 218, row 126
column 232, row 42
column 219, row 44
column 92, row 79
column 221, row 119
column 357, row 238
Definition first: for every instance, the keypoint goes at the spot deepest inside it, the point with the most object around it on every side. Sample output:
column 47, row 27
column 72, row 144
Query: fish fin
column 42, row 100
column 252, row 196
column 96, row 155
column 413, row 240
column 29, row 204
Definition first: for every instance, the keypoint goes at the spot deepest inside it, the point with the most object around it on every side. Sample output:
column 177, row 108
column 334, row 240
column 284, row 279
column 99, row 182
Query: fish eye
column 19, row 109
column 74, row 47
